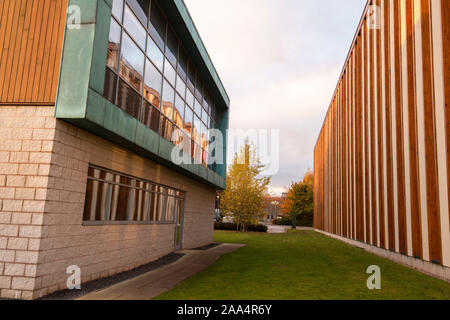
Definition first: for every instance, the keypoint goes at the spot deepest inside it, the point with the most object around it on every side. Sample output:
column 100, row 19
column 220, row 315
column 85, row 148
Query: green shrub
column 233, row 227
column 302, row 221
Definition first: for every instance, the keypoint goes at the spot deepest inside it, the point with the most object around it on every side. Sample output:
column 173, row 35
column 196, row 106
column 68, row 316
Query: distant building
column 272, row 208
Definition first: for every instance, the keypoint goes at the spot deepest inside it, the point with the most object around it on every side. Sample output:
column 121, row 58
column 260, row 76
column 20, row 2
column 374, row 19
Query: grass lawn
column 301, row 265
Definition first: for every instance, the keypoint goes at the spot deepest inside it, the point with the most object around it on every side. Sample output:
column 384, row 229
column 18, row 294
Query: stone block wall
column 43, row 176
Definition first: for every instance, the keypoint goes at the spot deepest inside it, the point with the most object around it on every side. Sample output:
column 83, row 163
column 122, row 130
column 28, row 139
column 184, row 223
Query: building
column 95, row 98
column 382, row 157
column 272, row 208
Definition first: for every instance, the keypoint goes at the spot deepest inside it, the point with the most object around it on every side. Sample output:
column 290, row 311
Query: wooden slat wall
column 382, row 160
column 31, row 39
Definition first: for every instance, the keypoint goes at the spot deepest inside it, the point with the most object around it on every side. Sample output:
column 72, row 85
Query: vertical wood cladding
column 31, row 38
column 382, row 160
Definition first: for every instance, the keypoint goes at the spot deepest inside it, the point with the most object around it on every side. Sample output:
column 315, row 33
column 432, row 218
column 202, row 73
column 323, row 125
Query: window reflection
column 140, row 8
column 187, row 145
column 205, row 117
column 172, row 47
column 168, row 97
column 152, row 87
column 198, row 89
column 188, row 118
column 157, row 25
column 191, row 77
column 128, row 99
column 178, row 111
column 155, row 54
column 131, row 63
column 163, row 91
column 177, row 137
column 113, row 45
column 196, row 129
column 134, row 28
column 113, row 196
column 110, row 85
column 181, row 87
column 190, row 98
column 198, row 108
column 170, row 73
column 117, row 9
column 166, row 128
column 182, row 63
column 150, row 116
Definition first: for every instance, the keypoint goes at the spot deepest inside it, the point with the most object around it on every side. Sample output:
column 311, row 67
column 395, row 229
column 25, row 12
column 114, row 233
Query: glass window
column 182, row 63
column 168, row 99
column 166, row 128
column 113, row 45
column 191, row 77
column 117, row 9
column 131, row 63
column 172, row 47
column 197, row 129
column 155, row 54
column 205, row 104
column 190, row 98
column 209, row 124
column 157, row 25
column 112, row 196
column 196, row 152
column 181, row 87
column 109, row 92
column 188, row 117
column 205, row 117
column 153, row 84
column 140, row 8
column 170, row 73
column 128, row 100
column 187, row 145
column 204, row 137
column 134, row 27
column 150, row 116
column 198, row 89
column 177, row 137
column 198, row 108
column 179, row 111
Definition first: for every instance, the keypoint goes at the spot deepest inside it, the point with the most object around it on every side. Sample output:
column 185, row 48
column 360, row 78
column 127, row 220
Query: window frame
column 179, row 195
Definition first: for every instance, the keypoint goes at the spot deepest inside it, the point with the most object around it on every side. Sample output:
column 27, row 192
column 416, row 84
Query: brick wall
column 43, row 174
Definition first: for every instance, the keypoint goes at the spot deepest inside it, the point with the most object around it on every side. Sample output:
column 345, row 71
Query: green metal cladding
column 80, row 98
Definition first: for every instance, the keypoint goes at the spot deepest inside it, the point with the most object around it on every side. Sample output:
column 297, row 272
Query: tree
column 243, row 196
column 300, row 199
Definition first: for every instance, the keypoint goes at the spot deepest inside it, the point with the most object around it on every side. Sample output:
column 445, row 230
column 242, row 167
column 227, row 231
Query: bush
column 302, row 221
column 276, row 221
column 226, row 226
column 233, row 227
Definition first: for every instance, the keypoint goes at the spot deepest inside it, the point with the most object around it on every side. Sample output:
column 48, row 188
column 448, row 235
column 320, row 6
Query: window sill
column 126, row 223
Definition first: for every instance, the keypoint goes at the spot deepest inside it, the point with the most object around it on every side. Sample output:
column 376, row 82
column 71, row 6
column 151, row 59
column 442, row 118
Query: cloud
column 280, row 62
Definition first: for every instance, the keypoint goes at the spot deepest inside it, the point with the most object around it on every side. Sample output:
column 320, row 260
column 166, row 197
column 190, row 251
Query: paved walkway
column 283, row 229
column 154, row 283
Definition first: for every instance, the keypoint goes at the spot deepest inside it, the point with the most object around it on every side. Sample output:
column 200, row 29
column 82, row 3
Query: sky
column 279, row 62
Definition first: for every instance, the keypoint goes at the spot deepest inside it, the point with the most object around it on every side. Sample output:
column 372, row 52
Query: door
column 179, row 218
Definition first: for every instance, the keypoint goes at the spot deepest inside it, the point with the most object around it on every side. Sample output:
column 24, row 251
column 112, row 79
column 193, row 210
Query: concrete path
column 271, row 228
column 283, row 229
column 154, row 283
